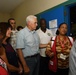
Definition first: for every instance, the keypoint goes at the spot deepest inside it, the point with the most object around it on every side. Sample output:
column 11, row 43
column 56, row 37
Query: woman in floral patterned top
column 58, row 50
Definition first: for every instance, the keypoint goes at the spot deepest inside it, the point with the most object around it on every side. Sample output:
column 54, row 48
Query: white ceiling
column 9, row 5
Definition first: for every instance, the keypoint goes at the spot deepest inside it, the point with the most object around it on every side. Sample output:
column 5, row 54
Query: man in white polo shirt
column 45, row 36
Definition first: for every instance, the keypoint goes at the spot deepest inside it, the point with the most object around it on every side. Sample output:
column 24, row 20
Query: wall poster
column 53, row 26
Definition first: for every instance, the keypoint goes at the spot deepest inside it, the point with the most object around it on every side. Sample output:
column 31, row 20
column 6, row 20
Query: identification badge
column 62, row 56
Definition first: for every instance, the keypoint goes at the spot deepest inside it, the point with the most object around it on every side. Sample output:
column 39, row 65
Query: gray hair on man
column 29, row 18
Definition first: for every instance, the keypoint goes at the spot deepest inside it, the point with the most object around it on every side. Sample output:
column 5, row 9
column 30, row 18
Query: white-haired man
column 28, row 46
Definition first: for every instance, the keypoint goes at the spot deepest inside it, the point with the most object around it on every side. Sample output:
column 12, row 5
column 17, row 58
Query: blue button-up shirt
column 28, row 41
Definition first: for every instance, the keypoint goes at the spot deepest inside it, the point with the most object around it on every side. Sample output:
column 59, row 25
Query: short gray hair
column 29, row 18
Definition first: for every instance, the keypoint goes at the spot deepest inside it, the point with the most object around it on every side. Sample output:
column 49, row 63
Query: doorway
column 73, row 20
column 70, row 19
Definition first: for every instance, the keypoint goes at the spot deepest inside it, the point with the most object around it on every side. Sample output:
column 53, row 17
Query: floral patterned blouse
column 63, row 47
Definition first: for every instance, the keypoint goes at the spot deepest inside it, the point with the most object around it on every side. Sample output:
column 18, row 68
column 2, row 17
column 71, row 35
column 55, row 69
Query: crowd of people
column 27, row 51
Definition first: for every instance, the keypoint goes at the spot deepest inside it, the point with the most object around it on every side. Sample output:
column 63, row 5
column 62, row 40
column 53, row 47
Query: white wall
column 4, row 17
column 33, row 7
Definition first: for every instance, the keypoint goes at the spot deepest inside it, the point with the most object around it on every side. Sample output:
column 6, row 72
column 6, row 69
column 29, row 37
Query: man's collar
column 30, row 30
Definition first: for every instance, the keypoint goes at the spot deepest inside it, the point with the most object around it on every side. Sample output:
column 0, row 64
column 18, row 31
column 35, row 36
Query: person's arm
column 23, row 62
column 20, row 67
column 10, row 67
column 43, row 46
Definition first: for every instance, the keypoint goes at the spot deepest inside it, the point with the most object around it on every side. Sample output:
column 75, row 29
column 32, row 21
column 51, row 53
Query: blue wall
column 60, row 12
column 57, row 13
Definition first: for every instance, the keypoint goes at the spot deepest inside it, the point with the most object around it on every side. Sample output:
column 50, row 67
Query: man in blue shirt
column 28, row 46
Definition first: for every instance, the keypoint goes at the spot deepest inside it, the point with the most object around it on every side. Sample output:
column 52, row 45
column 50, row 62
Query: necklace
column 62, row 42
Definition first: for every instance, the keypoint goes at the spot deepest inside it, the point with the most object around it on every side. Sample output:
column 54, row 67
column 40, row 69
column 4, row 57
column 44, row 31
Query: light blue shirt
column 28, row 41
column 72, row 60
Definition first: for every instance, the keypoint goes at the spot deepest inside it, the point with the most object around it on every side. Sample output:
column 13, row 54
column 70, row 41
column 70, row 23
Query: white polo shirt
column 44, row 39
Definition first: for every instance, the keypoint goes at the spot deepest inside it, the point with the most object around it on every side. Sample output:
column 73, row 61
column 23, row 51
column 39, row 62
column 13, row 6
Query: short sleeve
column 20, row 40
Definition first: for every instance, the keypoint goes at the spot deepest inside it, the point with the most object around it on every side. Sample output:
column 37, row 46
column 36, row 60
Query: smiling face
column 5, row 30
column 63, row 29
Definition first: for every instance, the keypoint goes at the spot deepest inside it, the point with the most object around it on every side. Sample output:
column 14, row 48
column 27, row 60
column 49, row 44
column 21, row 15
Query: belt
column 35, row 55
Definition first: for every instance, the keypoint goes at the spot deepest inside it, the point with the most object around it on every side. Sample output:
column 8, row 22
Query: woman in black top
column 9, row 55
